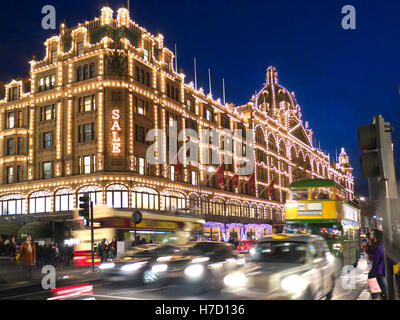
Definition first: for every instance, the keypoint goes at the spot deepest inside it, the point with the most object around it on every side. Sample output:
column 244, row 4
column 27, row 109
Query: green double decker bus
column 320, row 207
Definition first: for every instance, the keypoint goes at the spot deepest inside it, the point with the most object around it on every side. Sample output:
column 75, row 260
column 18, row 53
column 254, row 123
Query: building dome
column 276, row 99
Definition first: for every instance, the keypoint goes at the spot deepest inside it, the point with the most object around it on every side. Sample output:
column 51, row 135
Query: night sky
column 342, row 78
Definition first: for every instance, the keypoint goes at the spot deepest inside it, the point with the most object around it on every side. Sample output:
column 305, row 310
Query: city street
column 129, row 291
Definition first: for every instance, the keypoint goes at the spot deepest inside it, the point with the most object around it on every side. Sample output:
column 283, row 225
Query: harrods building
column 78, row 124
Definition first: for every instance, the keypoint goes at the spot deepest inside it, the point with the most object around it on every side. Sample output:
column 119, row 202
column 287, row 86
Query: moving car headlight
column 200, row 260
column 293, row 284
column 237, row 279
column 106, row 266
column 337, row 246
column 252, row 251
column 159, row 268
column 194, row 270
column 132, row 266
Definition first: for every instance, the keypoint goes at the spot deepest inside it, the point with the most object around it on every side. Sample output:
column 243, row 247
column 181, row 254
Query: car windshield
column 150, row 252
column 207, row 249
column 281, row 252
column 243, row 243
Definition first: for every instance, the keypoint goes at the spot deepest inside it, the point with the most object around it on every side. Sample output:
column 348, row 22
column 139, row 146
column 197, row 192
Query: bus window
column 320, row 194
column 330, row 233
column 301, row 194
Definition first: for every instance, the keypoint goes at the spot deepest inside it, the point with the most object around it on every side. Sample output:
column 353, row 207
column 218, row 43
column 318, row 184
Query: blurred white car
column 285, row 267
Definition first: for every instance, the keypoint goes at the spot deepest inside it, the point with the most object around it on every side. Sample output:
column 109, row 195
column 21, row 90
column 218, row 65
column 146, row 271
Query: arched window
column 40, row 202
column 261, row 213
column 193, row 202
column 271, row 143
column 205, row 206
column 218, row 207
column 234, row 209
column 95, row 194
column 253, row 211
column 63, row 200
column 117, row 196
column 145, row 198
column 12, row 204
column 246, row 210
column 174, row 201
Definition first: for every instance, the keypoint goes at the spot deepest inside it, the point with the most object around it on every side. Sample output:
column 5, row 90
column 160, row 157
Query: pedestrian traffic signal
column 84, row 206
column 376, row 140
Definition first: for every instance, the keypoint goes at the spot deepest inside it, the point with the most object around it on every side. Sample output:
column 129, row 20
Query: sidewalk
column 13, row 279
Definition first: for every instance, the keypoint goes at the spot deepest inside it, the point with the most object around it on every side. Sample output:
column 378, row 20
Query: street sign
column 137, row 217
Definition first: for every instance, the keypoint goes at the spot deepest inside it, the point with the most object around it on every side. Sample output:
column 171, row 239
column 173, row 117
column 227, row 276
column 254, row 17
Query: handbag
column 374, row 285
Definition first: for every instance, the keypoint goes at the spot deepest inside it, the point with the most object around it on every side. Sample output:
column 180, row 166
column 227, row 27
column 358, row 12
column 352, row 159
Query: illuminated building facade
column 79, row 123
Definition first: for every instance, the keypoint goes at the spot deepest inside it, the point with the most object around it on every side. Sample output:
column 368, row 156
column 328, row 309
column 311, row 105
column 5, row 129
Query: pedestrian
column 1, row 246
column 113, row 248
column 143, row 241
column 103, row 251
column 12, row 249
column 27, row 257
column 378, row 269
column 57, row 254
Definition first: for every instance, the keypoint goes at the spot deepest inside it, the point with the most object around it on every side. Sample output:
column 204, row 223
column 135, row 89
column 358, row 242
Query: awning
column 9, row 229
column 38, row 230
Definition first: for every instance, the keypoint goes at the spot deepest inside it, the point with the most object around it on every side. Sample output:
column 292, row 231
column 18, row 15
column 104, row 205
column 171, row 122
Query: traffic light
column 84, row 206
column 376, row 140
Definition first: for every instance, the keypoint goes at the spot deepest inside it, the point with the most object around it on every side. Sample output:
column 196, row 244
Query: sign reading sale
column 115, row 130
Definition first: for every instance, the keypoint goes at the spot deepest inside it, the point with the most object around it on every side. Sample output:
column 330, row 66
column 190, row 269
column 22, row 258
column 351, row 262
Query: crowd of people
column 28, row 254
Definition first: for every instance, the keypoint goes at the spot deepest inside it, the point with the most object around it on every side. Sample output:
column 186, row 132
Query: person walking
column 103, row 250
column 12, row 249
column 27, row 257
column 113, row 248
column 378, row 269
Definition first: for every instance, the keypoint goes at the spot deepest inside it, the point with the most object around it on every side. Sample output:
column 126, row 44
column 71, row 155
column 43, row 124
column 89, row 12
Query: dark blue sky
column 342, row 78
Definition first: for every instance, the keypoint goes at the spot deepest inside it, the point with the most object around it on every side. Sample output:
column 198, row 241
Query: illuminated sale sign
column 116, row 139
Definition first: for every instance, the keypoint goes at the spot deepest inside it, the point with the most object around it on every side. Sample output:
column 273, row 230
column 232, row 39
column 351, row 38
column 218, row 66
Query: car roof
column 291, row 237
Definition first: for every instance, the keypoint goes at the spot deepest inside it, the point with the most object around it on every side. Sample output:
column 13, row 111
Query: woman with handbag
column 27, row 257
column 378, row 270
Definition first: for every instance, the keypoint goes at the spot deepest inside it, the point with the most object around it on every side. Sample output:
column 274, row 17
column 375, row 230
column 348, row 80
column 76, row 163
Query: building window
column 147, row 79
column 174, row 201
column 85, row 72
column 54, row 56
column 193, row 178
column 10, row 175
column 218, row 207
column 92, row 70
column 46, row 166
column 87, row 164
column 47, row 140
column 79, row 74
column 19, row 141
column 95, row 194
column 145, row 198
column 10, row 147
column 140, row 105
column 86, row 133
column 41, row 85
column 140, row 134
column 166, row 66
column 87, row 104
column 19, row 174
column 14, row 93
column 47, row 83
column 117, row 196
column 53, row 81
column 20, row 119
column 40, row 202
column 141, row 166
column 208, row 115
column 11, row 120
column 80, row 48
column 63, row 200
column 172, row 173
column 146, row 54
column 12, row 204
column 137, row 74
